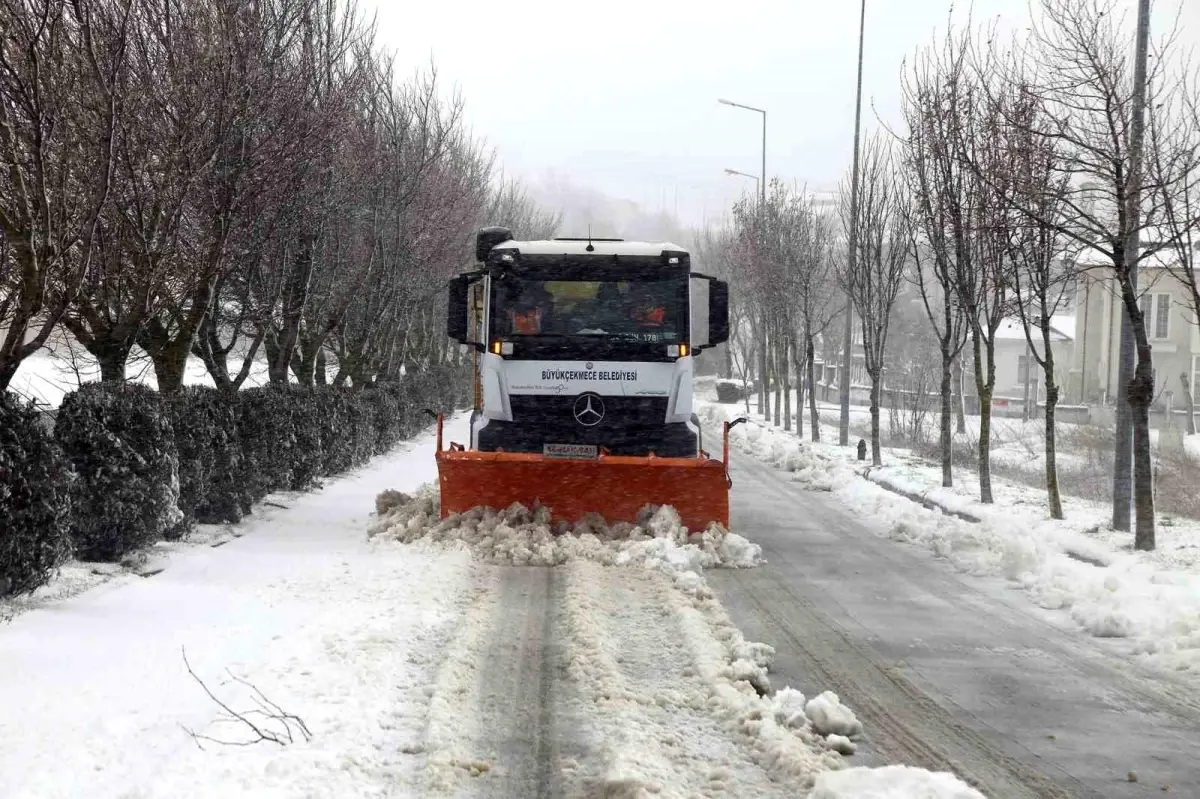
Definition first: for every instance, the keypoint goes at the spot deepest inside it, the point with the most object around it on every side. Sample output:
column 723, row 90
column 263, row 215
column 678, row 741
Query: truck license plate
column 571, row 451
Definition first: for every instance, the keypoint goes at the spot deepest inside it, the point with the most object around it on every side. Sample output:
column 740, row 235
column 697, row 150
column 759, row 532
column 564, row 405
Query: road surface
column 948, row 672
column 581, row 680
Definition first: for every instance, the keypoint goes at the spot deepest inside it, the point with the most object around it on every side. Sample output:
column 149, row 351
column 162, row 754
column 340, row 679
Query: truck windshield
column 629, row 310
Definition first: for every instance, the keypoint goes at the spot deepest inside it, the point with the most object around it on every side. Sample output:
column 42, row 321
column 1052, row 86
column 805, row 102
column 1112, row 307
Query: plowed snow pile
column 526, row 537
column 891, row 782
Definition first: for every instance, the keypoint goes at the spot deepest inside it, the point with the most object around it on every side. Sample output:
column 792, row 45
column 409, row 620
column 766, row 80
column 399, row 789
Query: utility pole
column 848, row 330
column 1123, row 446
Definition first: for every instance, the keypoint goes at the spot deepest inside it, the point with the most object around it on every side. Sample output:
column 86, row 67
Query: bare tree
column 759, row 288
column 980, row 269
column 248, row 153
column 61, row 66
column 334, row 60
column 724, row 252
column 818, row 301
column 1039, row 265
column 941, row 187
column 713, row 249
column 164, row 141
column 773, row 226
column 882, row 260
column 511, row 205
column 219, row 178
column 409, row 150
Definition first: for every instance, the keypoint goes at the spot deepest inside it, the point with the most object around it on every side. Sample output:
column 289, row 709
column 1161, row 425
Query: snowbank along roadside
column 1076, row 565
column 701, row 718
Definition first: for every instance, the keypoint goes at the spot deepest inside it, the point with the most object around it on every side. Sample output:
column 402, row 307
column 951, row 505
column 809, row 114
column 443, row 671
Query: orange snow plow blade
column 614, row 486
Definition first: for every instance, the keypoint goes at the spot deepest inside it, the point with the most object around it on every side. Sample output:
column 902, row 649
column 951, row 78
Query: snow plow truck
column 583, row 355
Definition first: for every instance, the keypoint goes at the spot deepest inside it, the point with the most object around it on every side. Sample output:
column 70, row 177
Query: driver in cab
column 647, row 313
column 528, row 310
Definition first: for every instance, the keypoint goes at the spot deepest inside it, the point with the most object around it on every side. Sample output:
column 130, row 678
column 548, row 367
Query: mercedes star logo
column 588, row 366
column 589, row 410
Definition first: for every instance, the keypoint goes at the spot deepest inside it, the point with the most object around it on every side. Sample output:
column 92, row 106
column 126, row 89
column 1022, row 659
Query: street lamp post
column 763, row 396
column 848, row 329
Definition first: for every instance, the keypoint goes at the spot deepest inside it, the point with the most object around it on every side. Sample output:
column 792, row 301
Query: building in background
column 1171, row 326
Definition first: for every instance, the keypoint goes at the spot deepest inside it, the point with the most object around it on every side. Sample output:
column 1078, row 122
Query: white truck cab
column 585, row 345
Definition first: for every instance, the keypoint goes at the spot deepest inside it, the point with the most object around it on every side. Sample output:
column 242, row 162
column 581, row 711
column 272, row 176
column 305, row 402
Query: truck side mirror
column 718, row 312
column 458, row 310
column 700, row 302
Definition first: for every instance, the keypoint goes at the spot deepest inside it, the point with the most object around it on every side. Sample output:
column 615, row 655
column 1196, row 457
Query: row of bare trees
column 1027, row 174
column 779, row 254
column 234, row 181
column 1014, row 176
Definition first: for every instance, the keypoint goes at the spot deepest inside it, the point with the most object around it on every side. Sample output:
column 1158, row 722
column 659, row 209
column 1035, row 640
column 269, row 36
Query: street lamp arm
column 742, row 105
column 742, row 174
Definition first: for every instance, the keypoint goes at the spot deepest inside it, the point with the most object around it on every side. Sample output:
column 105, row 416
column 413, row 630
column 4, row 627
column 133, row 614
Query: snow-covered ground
column 890, row 782
column 357, row 660
column 1012, row 436
column 344, row 633
column 1078, row 565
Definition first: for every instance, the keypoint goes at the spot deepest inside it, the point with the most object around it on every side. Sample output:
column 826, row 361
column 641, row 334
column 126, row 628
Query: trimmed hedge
column 126, row 467
column 267, row 445
column 120, row 440
column 334, row 416
column 389, row 416
column 35, row 499
column 210, row 454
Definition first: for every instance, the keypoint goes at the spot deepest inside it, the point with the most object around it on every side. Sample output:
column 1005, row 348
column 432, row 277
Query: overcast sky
column 621, row 96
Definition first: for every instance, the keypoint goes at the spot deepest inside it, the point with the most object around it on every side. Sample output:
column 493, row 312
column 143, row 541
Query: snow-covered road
column 601, row 665
column 946, row 669
column 580, row 680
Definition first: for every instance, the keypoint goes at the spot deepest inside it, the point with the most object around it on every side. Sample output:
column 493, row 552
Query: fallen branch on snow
column 286, row 725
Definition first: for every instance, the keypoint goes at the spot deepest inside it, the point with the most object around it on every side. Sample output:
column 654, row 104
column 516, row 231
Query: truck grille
column 631, row 426
column 619, row 412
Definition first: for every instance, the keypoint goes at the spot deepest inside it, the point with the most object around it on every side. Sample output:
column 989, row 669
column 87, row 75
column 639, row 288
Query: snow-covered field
column 49, row 375
column 1078, row 566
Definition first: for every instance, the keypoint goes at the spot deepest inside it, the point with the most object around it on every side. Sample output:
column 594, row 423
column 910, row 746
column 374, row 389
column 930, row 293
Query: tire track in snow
column 495, row 720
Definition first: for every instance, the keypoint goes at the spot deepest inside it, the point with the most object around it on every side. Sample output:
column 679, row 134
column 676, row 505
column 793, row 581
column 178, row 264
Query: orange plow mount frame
column 615, row 486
